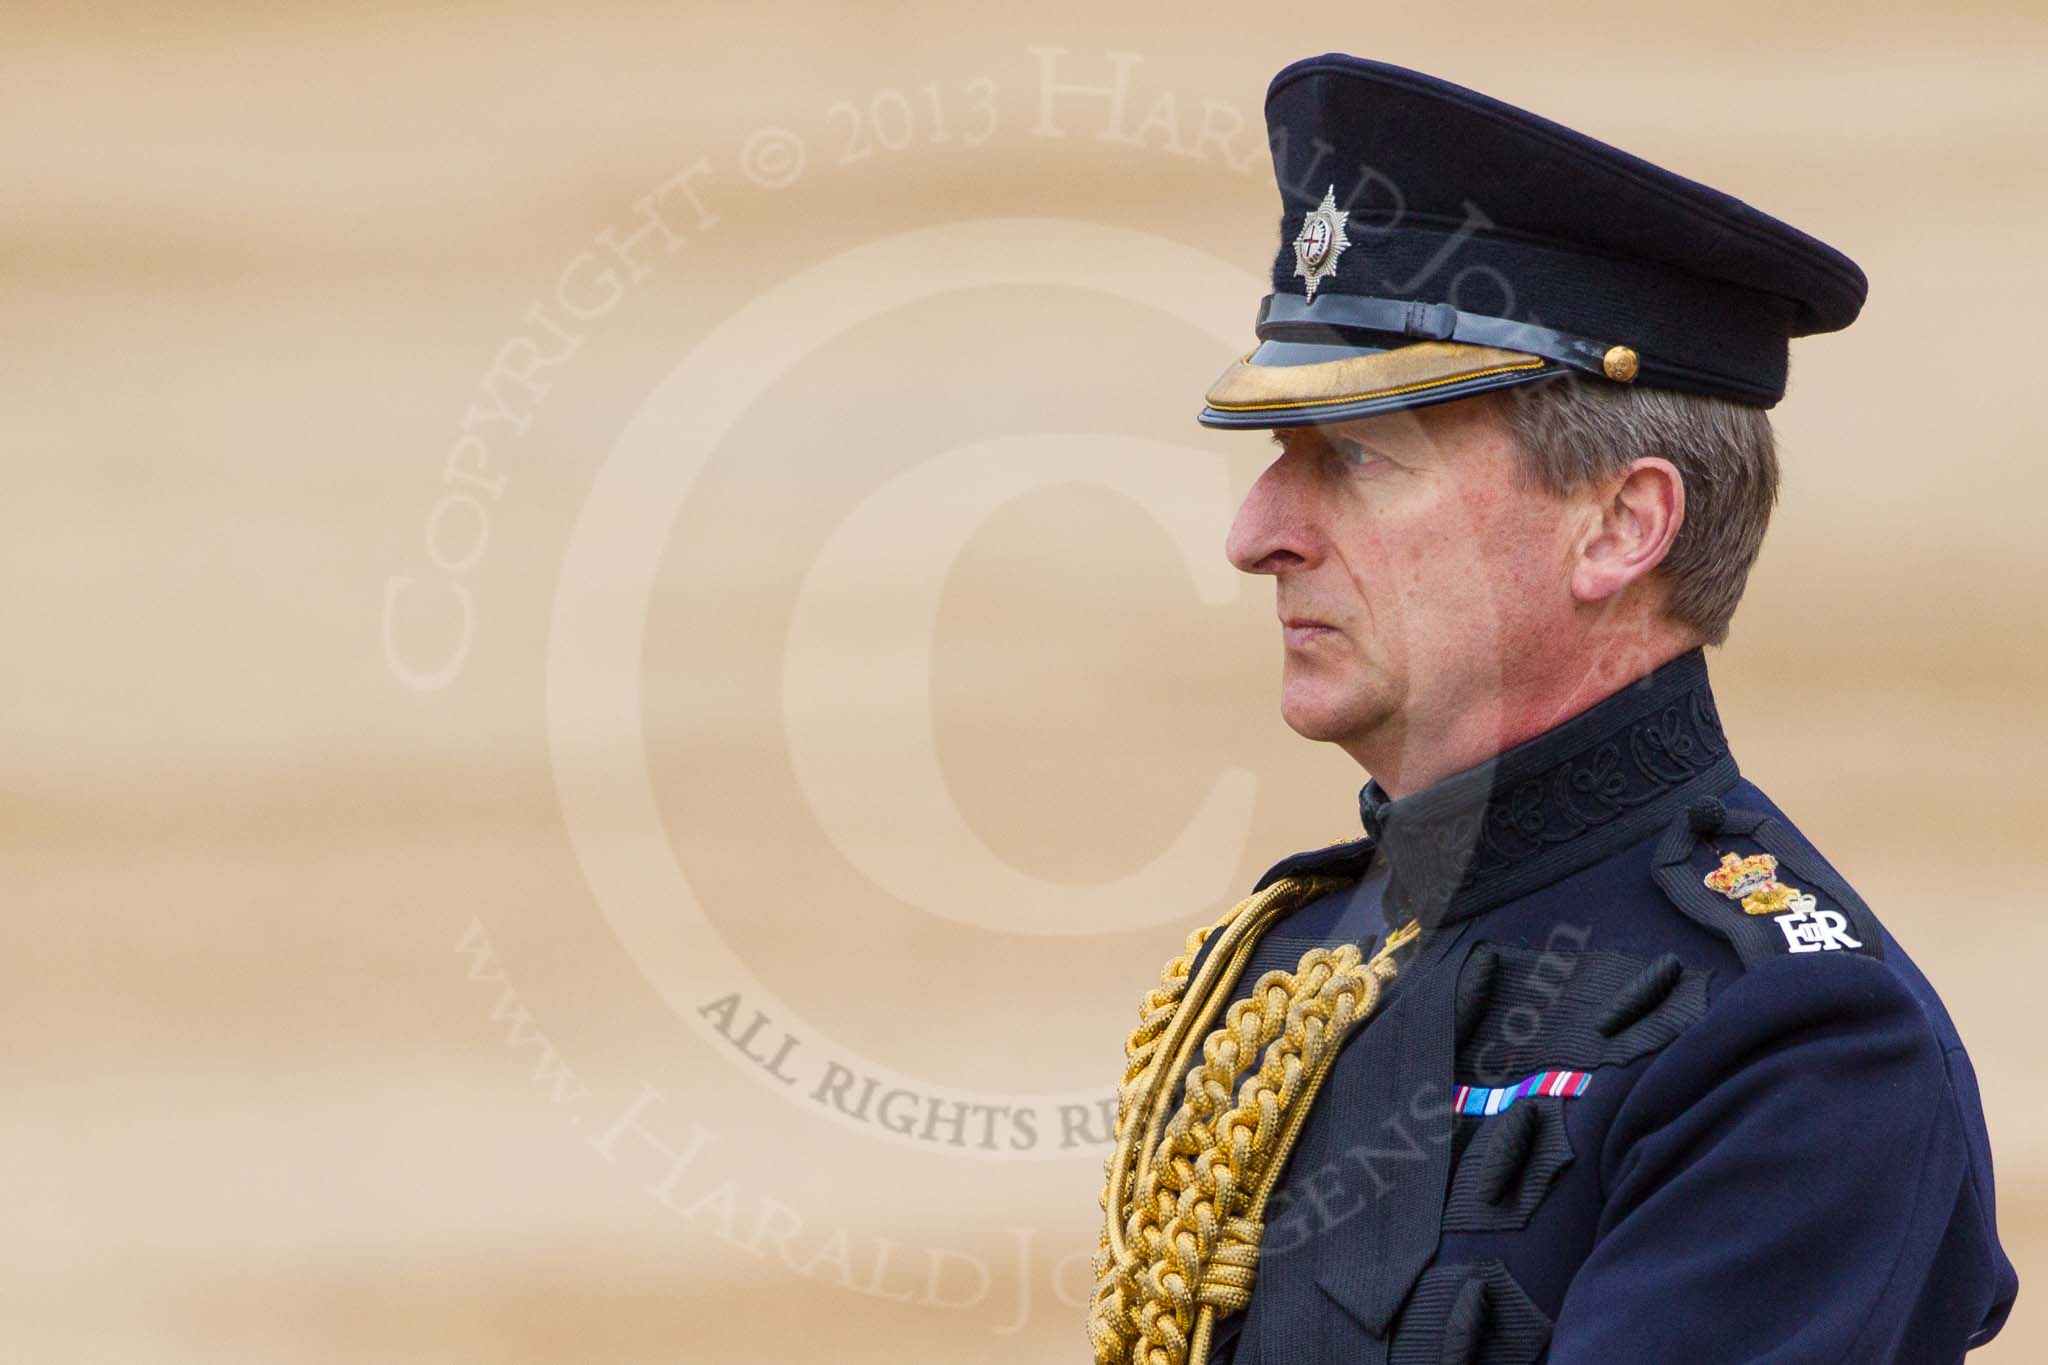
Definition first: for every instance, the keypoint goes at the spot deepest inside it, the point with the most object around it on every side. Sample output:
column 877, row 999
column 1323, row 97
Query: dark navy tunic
column 1614, row 1109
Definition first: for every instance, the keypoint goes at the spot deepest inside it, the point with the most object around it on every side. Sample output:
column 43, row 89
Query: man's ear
column 1635, row 520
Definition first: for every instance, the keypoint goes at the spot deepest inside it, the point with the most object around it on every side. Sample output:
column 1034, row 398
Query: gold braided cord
column 1167, row 1031
column 1185, row 1194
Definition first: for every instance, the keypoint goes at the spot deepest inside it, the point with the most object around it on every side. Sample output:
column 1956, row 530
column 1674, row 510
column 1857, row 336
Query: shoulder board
column 1753, row 880
column 1347, row 859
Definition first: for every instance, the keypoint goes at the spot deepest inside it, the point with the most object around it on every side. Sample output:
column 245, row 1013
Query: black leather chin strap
column 1290, row 317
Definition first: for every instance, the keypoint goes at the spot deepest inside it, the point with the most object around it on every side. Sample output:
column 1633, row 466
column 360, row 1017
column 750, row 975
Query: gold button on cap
column 1619, row 363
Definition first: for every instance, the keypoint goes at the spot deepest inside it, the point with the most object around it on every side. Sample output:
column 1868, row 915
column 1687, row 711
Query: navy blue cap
column 1436, row 242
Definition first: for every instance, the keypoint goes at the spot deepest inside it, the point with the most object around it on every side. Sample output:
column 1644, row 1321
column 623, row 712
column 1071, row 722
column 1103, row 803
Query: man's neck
column 1562, row 799
column 1403, row 763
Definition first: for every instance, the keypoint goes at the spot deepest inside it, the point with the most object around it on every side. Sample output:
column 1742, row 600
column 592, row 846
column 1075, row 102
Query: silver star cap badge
column 1320, row 241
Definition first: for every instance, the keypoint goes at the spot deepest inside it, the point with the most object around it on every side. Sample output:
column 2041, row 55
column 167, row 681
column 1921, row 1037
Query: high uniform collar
column 1558, row 803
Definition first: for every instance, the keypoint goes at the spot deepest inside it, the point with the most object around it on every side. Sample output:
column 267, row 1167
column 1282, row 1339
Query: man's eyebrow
column 1286, row 437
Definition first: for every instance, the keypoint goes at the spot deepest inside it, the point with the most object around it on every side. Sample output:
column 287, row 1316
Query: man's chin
column 1313, row 713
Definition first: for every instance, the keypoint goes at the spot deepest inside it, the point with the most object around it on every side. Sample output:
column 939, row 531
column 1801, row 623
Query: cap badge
column 1320, row 242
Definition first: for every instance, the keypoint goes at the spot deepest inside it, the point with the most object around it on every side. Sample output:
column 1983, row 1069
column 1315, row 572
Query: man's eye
column 1356, row 455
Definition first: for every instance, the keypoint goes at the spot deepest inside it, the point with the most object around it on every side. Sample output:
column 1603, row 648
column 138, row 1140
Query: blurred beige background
column 363, row 943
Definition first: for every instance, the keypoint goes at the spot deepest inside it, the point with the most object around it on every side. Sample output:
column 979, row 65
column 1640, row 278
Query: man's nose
column 1274, row 530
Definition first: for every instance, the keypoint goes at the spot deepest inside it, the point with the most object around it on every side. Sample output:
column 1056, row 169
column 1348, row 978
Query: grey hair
column 1574, row 433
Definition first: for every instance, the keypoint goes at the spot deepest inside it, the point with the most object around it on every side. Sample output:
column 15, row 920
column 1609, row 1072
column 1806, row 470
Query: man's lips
column 1302, row 630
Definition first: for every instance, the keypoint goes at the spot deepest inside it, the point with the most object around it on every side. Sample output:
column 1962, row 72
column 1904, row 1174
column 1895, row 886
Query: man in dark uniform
column 1582, row 1053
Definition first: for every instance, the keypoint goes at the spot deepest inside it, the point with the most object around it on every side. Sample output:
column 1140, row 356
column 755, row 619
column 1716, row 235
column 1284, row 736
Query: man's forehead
column 1410, row 428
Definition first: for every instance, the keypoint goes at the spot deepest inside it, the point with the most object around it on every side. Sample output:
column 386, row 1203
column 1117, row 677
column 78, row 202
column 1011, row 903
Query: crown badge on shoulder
column 1754, row 882
column 1808, row 926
